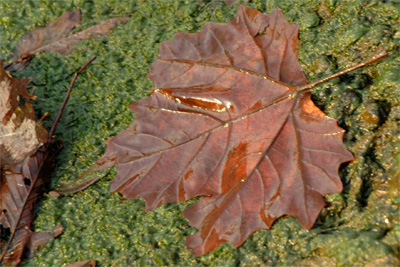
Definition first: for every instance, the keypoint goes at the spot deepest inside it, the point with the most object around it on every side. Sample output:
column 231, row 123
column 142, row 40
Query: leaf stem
column 53, row 128
column 26, row 59
column 8, row 65
column 379, row 55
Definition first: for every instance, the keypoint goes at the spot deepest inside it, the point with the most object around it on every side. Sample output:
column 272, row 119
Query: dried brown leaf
column 21, row 185
column 20, row 134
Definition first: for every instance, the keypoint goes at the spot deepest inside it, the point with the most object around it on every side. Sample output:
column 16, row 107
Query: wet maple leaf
column 231, row 120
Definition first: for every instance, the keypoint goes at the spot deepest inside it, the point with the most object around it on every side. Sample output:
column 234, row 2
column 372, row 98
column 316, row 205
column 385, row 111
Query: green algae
column 361, row 227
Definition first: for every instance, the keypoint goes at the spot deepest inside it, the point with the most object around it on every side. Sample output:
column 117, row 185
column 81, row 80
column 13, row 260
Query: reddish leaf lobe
column 227, row 122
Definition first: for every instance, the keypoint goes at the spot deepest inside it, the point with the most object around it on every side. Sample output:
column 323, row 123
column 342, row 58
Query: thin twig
column 379, row 55
column 44, row 116
column 53, row 128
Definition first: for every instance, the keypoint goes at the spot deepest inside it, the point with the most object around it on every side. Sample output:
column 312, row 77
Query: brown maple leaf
column 231, row 120
column 55, row 36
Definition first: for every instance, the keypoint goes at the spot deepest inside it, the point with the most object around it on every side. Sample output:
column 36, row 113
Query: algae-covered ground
column 360, row 227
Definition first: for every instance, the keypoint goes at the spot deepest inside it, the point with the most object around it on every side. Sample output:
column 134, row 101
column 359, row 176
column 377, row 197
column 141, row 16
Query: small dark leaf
column 55, row 37
column 38, row 39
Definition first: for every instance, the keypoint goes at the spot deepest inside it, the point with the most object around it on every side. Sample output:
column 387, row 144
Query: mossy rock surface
column 361, row 226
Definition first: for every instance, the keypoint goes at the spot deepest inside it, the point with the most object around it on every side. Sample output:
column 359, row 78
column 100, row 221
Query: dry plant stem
column 8, row 65
column 53, row 128
column 26, row 57
column 44, row 116
column 379, row 55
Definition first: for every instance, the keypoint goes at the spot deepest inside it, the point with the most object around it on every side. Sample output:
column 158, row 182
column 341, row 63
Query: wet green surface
column 360, row 228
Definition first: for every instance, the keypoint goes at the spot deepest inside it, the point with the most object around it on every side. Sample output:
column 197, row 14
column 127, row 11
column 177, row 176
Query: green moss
column 361, row 227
